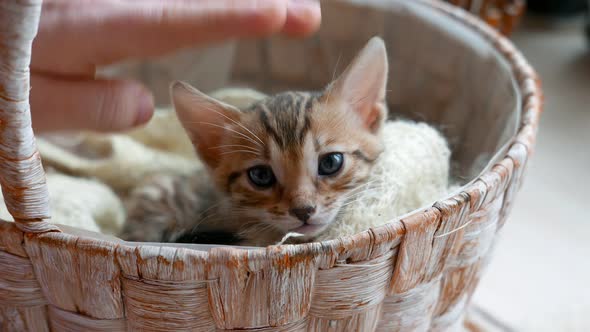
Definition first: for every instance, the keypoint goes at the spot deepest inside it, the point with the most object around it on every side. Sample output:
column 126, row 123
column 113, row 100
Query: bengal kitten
column 288, row 163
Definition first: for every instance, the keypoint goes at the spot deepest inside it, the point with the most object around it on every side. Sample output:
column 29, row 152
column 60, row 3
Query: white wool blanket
column 412, row 172
column 91, row 174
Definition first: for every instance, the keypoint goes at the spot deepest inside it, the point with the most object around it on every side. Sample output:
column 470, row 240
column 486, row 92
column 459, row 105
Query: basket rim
column 529, row 108
column 521, row 72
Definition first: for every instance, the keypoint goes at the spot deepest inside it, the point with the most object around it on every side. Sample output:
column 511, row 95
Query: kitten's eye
column 261, row 176
column 330, row 163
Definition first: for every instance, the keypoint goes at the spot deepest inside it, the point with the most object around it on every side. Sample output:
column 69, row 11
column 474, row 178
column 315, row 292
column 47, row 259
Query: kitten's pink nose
column 303, row 212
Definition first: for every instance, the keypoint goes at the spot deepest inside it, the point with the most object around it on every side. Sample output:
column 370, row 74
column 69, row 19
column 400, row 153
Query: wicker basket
column 503, row 15
column 413, row 274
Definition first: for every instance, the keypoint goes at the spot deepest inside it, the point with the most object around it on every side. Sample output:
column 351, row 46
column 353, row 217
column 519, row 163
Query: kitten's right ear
column 204, row 118
column 363, row 85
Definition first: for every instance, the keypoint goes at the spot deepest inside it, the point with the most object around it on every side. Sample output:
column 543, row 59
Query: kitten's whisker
column 209, row 209
column 255, row 227
column 354, row 190
column 357, row 195
column 237, row 123
column 214, row 206
column 240, row 151
column 336, row 66
column 358, row 199
column 236, row 146
column 366, row 183
column 234, row 131
column 246, row 139
column 353, row 201
column 374, row 184
column 368, row 186
column 333, row 76
column 204, row 218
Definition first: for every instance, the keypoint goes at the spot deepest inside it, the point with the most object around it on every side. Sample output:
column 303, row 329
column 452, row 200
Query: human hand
column 76, row 36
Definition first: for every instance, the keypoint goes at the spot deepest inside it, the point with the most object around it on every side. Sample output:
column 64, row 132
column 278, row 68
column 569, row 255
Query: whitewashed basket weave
column 414, row 274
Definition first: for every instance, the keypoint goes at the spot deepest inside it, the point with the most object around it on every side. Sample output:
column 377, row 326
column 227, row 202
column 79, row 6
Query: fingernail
column 303, row 4
column 146, row 108
column 308, row 2
column 304, row 17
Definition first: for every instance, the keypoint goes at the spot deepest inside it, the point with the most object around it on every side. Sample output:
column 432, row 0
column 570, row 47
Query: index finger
column 74, row 37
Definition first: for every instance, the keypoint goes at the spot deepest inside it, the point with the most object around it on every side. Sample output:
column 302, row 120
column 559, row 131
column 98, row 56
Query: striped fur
column 290, row 133
column 296, row 129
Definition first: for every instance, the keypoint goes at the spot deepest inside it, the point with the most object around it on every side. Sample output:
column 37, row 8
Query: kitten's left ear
column 363, row 85
column 204, row 118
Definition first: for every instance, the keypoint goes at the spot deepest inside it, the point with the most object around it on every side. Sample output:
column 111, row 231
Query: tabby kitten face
column 290, row 162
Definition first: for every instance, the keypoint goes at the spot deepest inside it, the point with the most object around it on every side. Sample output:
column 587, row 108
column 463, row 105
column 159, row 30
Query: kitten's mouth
column 309, row 229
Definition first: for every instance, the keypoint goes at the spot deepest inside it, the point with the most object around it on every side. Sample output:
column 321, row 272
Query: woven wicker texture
column 503, row 15
column 21, row 174
column 413, row 274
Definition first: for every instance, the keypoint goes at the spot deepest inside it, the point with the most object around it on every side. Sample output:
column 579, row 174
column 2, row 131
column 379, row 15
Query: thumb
column 101, row 105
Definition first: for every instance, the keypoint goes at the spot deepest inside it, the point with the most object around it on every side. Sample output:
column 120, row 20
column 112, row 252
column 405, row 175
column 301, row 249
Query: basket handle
column 21, row 174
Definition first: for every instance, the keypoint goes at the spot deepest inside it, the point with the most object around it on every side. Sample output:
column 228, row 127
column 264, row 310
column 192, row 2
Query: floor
column 539, row 279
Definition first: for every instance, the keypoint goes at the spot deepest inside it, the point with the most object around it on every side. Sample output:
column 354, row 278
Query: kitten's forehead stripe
column 311, row 98
column 286, row 118
column 264, row 119
column 304, row 106
column 305, row 128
